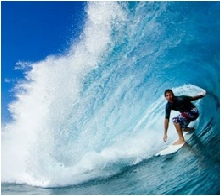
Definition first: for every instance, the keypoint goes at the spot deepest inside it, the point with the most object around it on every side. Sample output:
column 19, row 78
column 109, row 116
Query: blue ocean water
column 90, row 121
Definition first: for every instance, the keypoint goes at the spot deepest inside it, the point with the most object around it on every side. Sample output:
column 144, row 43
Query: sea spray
column 46, row 100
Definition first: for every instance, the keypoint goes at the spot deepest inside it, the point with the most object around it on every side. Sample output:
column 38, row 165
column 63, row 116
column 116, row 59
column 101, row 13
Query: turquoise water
column 94, row 125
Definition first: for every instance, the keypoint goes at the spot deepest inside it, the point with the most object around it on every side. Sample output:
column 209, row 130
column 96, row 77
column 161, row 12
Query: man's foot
column 179, row 142
column 188, row 129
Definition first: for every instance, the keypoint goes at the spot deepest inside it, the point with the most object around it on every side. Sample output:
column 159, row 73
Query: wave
column 100, row 107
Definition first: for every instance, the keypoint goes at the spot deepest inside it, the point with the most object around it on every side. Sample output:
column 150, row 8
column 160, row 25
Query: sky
column 30, row 31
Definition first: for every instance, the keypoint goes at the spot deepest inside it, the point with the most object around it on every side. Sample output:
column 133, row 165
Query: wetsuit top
column 180, row 103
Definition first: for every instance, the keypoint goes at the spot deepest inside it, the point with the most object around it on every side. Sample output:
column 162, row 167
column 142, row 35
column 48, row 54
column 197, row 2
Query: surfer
column 188, row 113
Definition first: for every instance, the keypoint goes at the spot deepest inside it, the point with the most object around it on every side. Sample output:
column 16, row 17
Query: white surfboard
column 174, row 148
column 169, row 149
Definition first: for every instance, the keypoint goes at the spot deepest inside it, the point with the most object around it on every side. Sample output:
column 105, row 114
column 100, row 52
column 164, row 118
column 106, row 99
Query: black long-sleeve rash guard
column 180, row 103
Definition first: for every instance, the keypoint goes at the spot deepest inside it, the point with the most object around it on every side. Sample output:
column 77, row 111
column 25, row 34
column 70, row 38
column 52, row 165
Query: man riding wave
column 188, row 113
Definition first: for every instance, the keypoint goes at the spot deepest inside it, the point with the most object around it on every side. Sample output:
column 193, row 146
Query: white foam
column 44, row 99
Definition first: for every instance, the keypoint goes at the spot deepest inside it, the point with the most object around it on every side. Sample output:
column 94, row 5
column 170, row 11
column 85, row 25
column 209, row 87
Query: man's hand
column 203, row 93
column 165, row 138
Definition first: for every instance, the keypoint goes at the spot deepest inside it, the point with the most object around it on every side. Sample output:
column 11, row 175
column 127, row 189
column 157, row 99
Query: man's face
column 169, row 97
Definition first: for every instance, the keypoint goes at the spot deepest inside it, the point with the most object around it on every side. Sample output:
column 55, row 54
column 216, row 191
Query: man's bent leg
column 188, row 129
column 180, row 134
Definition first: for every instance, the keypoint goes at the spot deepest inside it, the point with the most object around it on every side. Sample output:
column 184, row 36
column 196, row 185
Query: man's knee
column 176, row 124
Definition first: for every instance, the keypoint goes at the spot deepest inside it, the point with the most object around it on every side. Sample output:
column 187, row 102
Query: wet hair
column 168, row 91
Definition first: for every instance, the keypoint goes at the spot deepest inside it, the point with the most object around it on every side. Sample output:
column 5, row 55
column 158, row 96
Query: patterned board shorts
column 186, row 117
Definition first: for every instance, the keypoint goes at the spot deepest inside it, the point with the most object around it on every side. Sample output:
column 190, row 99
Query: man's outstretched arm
column 194, row 98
